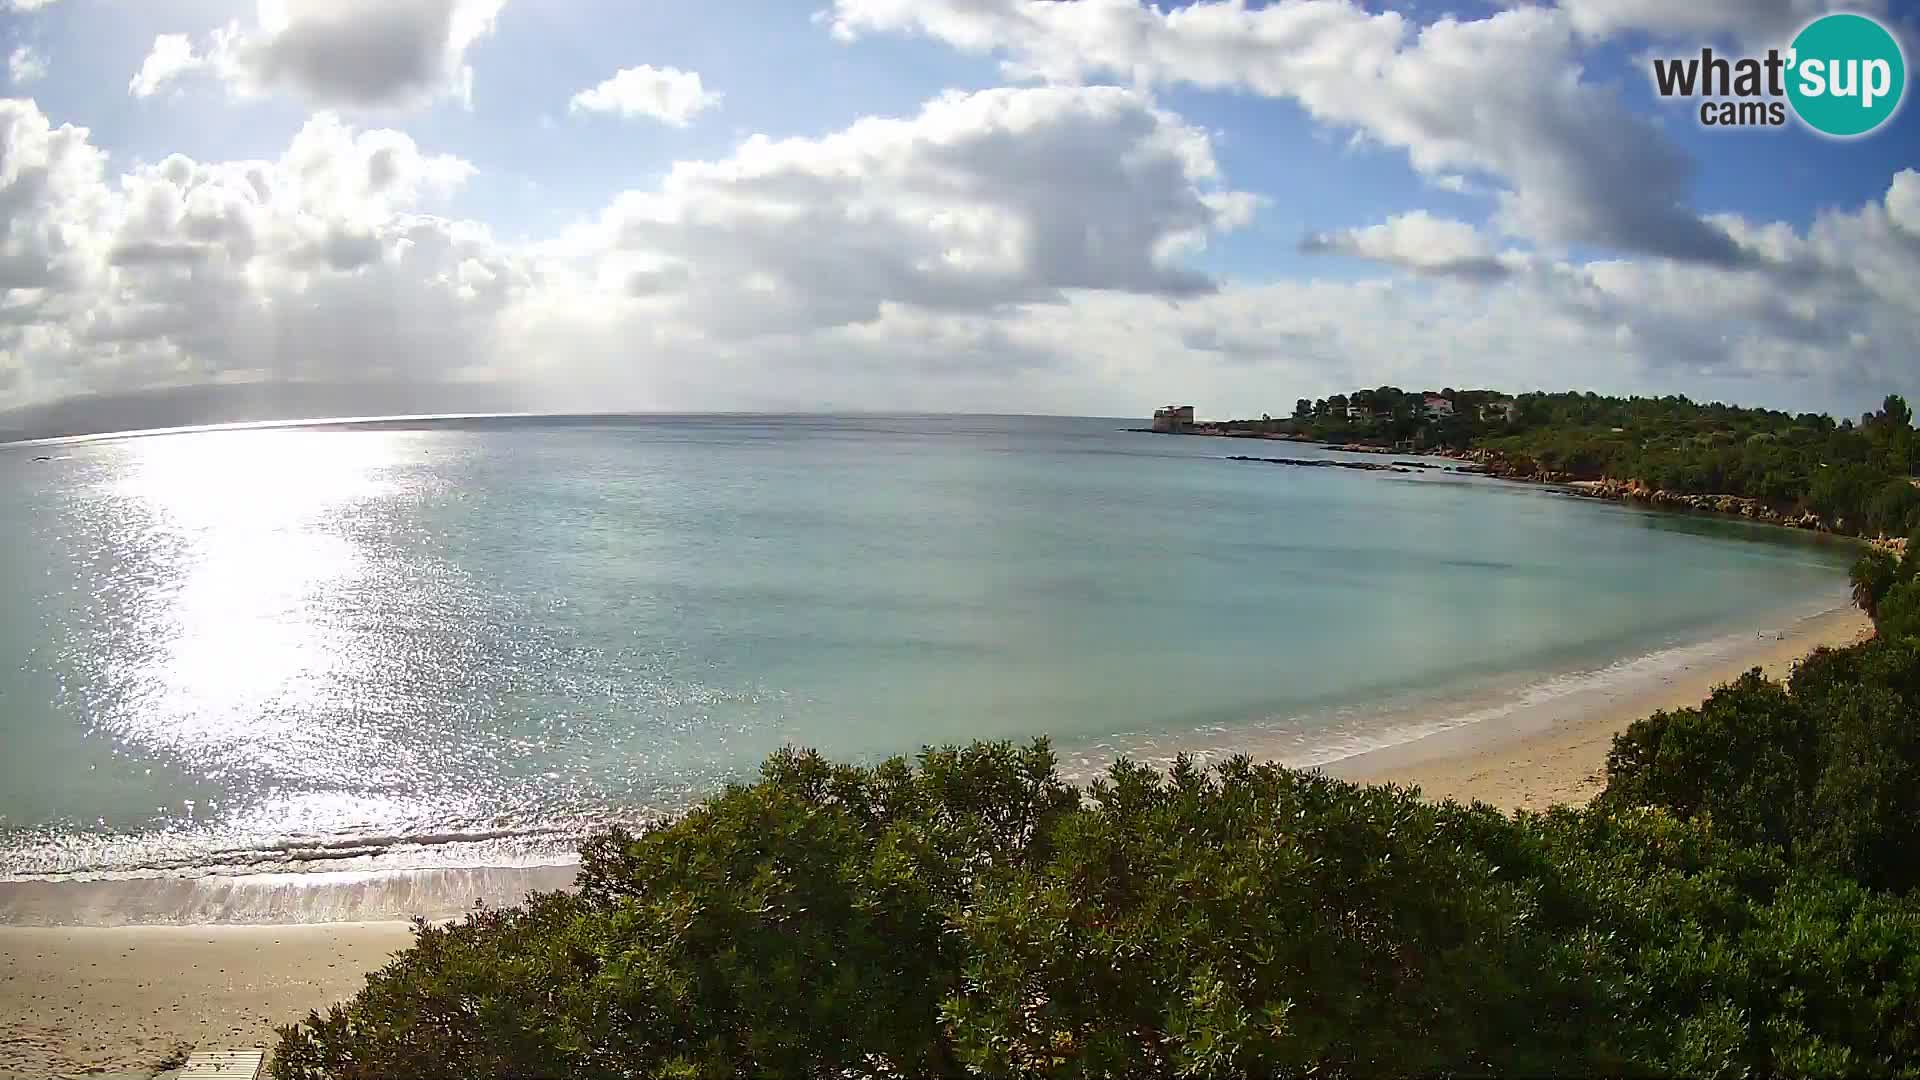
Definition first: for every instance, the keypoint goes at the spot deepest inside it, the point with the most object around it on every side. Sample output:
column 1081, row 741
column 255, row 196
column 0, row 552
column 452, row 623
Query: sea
column 464, row 642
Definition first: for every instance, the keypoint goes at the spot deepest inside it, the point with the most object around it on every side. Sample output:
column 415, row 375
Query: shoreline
column 1558, row 755
column 117, row 999
column 1496, row 742
column 1486, row 463
column 307, row 898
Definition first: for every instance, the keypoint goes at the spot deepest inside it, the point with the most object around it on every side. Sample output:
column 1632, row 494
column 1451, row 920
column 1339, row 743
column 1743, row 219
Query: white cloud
column 1418, row 241
column 320, row 263
column 1000, row 197
column 25, row 64
column 1802, row 334
column 313, row 265
column 1500, row 97
column 172, row 56
column 340, row 53
column 29, row 5
column 1903, row 202
column 668, row 94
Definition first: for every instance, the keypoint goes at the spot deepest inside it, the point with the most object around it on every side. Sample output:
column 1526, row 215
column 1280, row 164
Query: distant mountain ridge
column 234, row 403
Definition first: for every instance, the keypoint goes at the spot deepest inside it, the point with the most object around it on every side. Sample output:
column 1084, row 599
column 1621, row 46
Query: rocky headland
column 1512, row 467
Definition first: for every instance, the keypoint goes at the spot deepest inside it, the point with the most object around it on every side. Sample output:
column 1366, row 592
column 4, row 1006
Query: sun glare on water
column 257, row 527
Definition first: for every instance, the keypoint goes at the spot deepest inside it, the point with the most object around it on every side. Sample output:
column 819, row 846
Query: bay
column 464, row 641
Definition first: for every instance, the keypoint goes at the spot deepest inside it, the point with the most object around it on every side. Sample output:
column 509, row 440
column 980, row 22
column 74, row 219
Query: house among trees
column 1173, row 418
column 1437, row 406
column 1501, row 409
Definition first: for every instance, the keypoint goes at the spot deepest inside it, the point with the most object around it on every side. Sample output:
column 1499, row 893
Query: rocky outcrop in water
column 1363, row 466
column 1752, row 509
column 1324, row 463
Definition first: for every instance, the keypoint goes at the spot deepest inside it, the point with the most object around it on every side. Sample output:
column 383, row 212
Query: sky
column 1087, row 207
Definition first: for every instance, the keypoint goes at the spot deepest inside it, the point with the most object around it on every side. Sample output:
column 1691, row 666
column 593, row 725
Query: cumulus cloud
column 25, row 64
column 668, row 95
column 28, row 5
column 172, row 56
column 1417, row 241
column 344, row 53
column 1643, row 325
column 321, row 262
column 316, row 265
column 1793, row 311
column 1500, row 97
column 999, row 197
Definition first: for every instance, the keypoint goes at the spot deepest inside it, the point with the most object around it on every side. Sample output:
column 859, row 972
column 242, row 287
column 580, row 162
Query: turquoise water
column 440, row 642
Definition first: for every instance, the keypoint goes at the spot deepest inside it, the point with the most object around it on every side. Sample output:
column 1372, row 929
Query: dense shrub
column 1898, row 614
column 1826, row 768
column 798, row 922
column 975, row 916
column 1730, row 963
column 1256, row 921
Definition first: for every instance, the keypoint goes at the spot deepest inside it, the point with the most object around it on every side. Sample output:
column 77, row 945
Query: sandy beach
column 1561, row 758
column 115, row 1000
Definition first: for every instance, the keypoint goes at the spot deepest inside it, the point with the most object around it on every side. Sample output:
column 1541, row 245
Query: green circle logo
column 1846, row 75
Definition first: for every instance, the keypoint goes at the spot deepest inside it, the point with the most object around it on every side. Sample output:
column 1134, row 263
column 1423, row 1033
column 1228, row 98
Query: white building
column 1437, row 406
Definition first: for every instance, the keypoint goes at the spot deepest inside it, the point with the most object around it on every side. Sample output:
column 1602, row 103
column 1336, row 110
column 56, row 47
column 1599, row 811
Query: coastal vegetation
column 1856, row 477
column 1887, row 587
column 1740, row 901
column 1851, row 476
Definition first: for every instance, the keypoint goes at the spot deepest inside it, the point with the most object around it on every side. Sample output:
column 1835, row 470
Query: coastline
column 105, row 999
column 1559, row 756
column 1495, row 465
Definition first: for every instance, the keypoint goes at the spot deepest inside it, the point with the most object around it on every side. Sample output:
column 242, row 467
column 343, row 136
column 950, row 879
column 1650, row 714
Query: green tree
column 1896, row 414
column 1873, row 575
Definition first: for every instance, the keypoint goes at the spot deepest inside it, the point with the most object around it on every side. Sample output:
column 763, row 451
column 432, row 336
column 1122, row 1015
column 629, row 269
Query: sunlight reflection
column 259, row 519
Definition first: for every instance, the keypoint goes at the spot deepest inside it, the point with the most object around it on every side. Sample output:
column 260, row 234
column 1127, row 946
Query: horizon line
column 353, row 421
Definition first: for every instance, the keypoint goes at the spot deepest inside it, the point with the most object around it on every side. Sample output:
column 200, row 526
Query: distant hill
column 186, row 406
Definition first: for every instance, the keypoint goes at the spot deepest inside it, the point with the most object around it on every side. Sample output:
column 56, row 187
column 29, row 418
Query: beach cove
column 678, row 605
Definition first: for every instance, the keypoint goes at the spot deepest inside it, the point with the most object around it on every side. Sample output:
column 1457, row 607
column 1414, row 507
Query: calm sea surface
column 443, row 642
